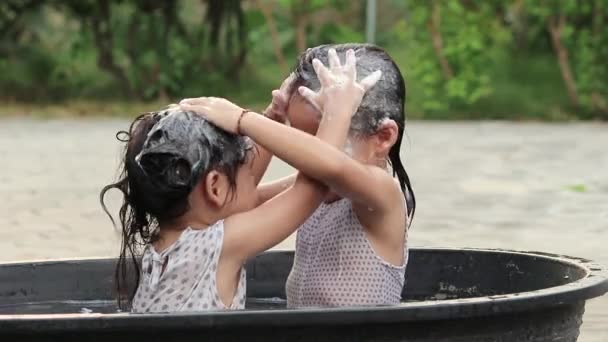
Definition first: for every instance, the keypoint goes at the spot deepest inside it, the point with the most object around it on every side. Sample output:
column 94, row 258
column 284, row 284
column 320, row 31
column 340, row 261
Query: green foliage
column 332, row 33
column 471, row 39
column 460, row 58
column 585, row 35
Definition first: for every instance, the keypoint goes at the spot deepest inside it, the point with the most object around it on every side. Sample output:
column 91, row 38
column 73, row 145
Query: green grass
column 92, row 108
column 78, row 108
column 580, row 188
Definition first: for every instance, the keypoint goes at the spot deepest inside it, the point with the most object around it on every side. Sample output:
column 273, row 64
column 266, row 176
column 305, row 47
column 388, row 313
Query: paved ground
column 508, row 185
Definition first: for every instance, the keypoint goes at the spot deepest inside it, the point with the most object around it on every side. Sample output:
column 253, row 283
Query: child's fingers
column 334, row 60
column 193, row 101
column 198, row 109
column 371, row 79
column 280, row 96
column 322, row 72
column 277, row 97
column 307, row 93
column 350, row 64
column 187, row 107
column 310, row 96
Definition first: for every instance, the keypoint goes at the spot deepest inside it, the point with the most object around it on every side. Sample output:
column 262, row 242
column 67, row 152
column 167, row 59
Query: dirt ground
column 523, row 186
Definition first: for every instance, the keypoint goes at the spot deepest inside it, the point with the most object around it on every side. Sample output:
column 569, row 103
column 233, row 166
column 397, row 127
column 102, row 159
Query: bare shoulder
column 382, row 182
column 386, row 230
column 390, row 222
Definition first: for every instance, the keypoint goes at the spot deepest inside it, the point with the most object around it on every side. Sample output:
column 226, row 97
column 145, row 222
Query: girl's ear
column 215, row 188
column 386, row 136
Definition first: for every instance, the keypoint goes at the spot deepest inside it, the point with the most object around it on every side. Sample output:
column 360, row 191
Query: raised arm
column 256, row 230
column 268, row 190
column 340, row 95
column 276, row 111
column 332, row 129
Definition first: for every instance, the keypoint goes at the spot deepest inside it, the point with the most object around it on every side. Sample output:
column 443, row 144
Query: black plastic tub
column 451, row 295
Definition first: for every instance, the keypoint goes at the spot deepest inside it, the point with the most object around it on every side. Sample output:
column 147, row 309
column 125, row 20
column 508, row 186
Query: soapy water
column 59, row 307
column 109, row 306
column 87, row 307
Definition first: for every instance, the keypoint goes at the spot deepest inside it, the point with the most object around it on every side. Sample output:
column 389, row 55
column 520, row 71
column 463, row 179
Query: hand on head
column 339, row 86
column 217, row 110
column 277, row 110
column 340, row 93
column 226, row 114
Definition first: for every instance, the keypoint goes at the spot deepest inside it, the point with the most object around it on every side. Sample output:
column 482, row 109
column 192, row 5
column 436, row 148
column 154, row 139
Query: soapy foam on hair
column 383, row 101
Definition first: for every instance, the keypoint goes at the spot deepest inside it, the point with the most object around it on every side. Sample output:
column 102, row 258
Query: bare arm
column 321, row 161
column 333, row 132
column 276, row 111
column 312, row 156
column 260, row 163
column 254, row 231
column 268, row 190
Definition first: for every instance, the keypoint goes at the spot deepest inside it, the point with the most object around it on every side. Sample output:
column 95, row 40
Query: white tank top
column 335, row 265
column 188, row 282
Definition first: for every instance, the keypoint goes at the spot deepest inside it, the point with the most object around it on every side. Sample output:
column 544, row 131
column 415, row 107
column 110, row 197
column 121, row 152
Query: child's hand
column 218, row 111
column 339, row 87
column 277, row 110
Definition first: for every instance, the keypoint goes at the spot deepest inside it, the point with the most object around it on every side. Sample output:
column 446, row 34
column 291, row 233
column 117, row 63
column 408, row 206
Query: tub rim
column 593, row 284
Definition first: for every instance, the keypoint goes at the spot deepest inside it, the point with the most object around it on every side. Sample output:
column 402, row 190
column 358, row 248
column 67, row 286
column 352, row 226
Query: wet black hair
column 160, row 167
column 386, row 100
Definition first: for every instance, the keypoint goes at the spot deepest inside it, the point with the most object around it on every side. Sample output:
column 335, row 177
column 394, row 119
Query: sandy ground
column 489, row 184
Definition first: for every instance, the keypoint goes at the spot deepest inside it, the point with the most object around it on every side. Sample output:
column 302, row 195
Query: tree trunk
column 10, row 23
column 266, row 8
column 433, row 25
column 103, row 40
column 598, row 102
column 300, row 19
column 215, row 16
column 241, row 53
column 555, row 26
column 520, row 25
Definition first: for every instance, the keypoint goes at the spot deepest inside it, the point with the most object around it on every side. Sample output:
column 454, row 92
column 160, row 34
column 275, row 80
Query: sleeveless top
column 335, row 265
column 188, row 282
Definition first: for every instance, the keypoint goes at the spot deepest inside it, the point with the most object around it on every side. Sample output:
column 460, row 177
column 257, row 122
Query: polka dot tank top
column 188, row 282
column 335, row 265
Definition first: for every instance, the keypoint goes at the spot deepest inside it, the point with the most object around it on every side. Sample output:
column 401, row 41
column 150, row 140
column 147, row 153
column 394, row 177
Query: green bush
column 461, row 59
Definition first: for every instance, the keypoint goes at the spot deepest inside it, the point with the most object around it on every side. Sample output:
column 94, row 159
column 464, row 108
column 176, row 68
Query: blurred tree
column 330, row 25
column 11, row 15
column 458, row 55
column 228, row 15
column 147, row 48
column 96, row 14
column 301, row 10
column 450, row 44
column 267, row 7
column 579, row 39
column 434, row 26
